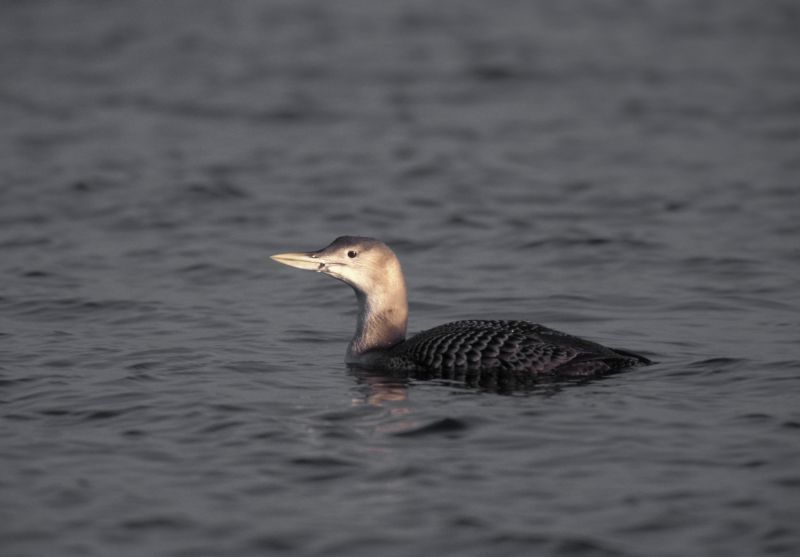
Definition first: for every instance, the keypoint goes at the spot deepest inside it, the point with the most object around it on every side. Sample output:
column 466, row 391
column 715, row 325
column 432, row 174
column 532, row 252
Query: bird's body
column 374, row 272
column 518, row 346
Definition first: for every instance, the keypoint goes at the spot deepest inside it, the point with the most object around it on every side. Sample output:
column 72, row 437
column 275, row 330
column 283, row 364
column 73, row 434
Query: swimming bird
column 372, row 269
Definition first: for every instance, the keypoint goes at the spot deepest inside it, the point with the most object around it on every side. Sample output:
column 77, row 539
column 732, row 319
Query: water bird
column 373, row 270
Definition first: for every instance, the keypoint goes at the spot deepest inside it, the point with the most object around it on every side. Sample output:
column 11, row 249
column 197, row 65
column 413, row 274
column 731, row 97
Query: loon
column 372, row 269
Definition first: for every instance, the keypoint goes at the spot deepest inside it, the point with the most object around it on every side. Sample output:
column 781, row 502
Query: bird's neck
column 382, row 318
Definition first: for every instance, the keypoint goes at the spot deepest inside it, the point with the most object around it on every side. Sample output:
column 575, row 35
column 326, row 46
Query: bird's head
column 366, row 264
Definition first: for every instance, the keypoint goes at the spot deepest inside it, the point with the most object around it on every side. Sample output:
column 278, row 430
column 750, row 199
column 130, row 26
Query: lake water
column 627, row 171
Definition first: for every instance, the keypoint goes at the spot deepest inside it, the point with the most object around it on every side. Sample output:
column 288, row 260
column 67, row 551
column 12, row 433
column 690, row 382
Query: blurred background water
column 625, row 170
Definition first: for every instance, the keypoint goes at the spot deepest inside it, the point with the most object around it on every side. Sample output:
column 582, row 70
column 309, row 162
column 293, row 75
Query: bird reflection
column 380, row 387
column 390, row 393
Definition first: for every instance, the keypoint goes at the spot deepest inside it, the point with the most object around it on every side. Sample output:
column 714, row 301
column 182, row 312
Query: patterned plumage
column 516, row 346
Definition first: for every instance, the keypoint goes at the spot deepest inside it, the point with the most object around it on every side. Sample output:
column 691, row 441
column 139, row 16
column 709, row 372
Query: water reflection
column 379, row 387
column 390, row 393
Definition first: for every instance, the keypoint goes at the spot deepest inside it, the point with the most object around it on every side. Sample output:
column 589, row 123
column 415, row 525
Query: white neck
column 382, row 314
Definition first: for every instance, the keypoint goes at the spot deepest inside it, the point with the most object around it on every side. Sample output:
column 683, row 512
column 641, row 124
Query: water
column 625, row 171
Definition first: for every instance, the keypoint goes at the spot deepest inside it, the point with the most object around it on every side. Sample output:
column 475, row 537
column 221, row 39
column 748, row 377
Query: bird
column 373, row 270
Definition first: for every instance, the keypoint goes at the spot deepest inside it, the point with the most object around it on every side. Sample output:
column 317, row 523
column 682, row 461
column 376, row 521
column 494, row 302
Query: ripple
column 322, row 461
column 719, row 364
column 103, row 414
column 446, row 427
column 273, row 542
column 212, row 191
column 157, row 523
column 74, row 308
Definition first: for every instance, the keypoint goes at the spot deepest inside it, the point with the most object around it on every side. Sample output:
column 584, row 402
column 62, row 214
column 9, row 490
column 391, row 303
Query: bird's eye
column 351, row 254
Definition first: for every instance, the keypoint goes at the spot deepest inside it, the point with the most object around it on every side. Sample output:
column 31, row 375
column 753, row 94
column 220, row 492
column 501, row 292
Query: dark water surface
column 628, row 171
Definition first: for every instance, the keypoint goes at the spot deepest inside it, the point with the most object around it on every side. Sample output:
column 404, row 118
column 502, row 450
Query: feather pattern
column 519, row 346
